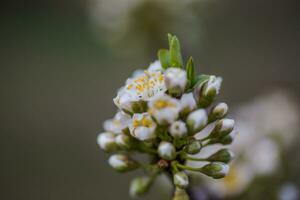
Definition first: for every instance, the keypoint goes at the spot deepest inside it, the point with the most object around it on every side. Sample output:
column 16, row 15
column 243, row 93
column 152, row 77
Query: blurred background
column 62, row 61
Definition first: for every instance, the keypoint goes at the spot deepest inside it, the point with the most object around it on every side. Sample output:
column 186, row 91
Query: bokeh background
column 62, row 61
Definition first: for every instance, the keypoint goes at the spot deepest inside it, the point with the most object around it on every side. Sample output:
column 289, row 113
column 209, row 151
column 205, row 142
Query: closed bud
column 222, row 128
column 124, row 141
column 122, row 163
column 175, row 80
column 197, row 120
column 226, row 140
column 223, row 155
column 215, row 170
column 178, row 129
column 166, row 150
column 187, row 104
column 139, row 186
column 107, row 142
column 180, row 194
column 206, row 93
column 218, row 112
column 181, row 180
column 194, row 147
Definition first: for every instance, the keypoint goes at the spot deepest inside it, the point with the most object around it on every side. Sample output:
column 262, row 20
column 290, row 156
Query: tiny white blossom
column 118, row 123
column 175, row 79
column 121, row 162
column 164, row 109
column 142, row 127
column 178, row 129
column 197, row 120
column 166, row 150
column 106, row 141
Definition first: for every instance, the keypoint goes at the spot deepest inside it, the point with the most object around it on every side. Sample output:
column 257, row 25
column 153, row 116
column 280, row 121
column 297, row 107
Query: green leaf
column 175, row 53
column 201, row 79
column 164, row 58
column 170, row 38
column 190, row 70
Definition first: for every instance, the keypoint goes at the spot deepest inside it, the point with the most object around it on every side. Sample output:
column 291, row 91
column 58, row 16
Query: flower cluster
column 161, row 109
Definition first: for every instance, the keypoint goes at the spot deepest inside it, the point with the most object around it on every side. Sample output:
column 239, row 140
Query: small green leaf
column 201, row 79
column 170, row 38
column 164, row 58
column 190, row 70
column 175, row 53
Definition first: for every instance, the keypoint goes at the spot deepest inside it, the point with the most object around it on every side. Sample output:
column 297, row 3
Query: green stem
column 193, row 158
column 188, row 167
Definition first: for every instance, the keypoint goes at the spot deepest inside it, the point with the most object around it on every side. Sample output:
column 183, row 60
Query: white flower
column 164, row 109
column 197, row 120
column 213, row 84
column 118, row 123
column 106, row 141
column 141, row 87
column 155, row 66
column 142, row 127
column 166, row 150
column 175, row 79
column 178, row 129
column 187, row 103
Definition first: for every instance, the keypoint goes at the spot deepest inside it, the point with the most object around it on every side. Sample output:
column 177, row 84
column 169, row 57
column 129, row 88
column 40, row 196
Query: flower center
column 143, row 122
column 159, row 104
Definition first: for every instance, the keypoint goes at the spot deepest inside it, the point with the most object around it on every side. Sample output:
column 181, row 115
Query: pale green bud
column 166, row 150
column 180, row 194
column 218, row 112
column 122, row 163
column 181, row 180
column 223, row 155
column 223, row 127
column 197, row 120
column 194, row 147
column 139, row 186
column 215, row 170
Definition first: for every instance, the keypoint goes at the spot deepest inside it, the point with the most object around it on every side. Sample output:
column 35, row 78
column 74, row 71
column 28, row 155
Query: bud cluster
column 160, row 112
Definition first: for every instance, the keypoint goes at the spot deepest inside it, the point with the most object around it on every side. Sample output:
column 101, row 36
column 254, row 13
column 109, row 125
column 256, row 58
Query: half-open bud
column 181, row 180
column 139, row 186
column 223, row 155
column 215, row 170
column 166, row 150
column 142, row 127
column 205, row 93
column 222, row 128
column 107, row 141
column 178, row 129
column 197, row 120
column 122, row 163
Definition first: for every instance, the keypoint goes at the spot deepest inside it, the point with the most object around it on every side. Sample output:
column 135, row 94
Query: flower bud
column 194, row 147
column 222, row 128
column 215, row 170
column 226, row 140
column 124, row 141
column 187, row 104
column 166, row 150
column 122, row 163
column 218, row 112
column 181, row 180
column 175, row 80
column 205, row 93
column 178, row 129
column 180, row 194
column 223, row 155
column 106, row 141
column 139, row 186
column 197, row 120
